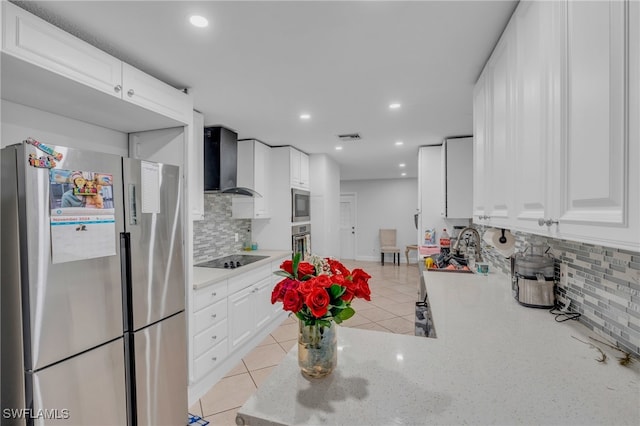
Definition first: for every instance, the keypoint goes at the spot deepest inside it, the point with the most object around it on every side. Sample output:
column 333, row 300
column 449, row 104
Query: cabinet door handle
column 213, row 316
column 214, row 294
column 215, row 358
column 130, row 92
column 214, row 337
column 542, row 221
column 117, row 89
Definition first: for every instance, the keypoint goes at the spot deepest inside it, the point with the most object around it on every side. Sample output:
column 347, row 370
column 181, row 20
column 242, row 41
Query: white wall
column 20, row 122
column 383, row 203
column 325, row 205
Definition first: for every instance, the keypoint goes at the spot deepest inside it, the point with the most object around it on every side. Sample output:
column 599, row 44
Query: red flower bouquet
column 321, row 290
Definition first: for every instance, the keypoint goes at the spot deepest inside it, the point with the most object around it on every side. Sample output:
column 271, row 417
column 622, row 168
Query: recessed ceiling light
column 394, row 105
column 198, row 21
column 401, row 165
column 403, row 174
column 399, row 143
column 305, row 116
column 338, row 148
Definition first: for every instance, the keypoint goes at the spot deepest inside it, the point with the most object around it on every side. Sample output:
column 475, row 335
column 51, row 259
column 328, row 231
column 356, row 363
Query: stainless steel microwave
column 300, row 205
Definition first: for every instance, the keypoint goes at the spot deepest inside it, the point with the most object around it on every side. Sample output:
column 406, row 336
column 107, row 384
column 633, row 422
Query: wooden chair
column 388, row 244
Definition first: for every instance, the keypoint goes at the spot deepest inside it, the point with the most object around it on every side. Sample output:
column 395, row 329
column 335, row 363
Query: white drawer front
column 209, row 295
column 249, row 278
column 210, row 359
column 208, row 316
column 210, row 337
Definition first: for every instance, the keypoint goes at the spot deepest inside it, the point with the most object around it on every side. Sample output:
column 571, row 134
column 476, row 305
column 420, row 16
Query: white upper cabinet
column 34, row 40
column 254, row 172
column 154, row 95
column 537, row 112
column 569, row 139
column 480, row 186
column 500, row 168
column 594, row 190
column 299, row 164
column 48, row 68
column 458, row 177
column 493, row 136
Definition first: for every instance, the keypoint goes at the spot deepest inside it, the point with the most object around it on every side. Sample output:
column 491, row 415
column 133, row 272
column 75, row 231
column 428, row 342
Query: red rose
column 305, row 268
column 340, row 280
column 275, row 294
column 363, row 291
column 318, row 302
column 281, row 288
column 287, row 266
column 337, row 267
column 347, row 296
column 307, row 286
column 359, row 275
column 292, row 301
column 322, row 281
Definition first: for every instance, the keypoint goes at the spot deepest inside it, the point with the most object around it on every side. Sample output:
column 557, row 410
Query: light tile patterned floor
column 394, row 291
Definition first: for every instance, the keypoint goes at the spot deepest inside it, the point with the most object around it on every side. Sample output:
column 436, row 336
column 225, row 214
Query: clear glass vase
column 317, row 349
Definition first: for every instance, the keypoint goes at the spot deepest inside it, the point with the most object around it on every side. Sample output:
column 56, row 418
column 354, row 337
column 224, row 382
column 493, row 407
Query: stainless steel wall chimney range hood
column 221, row 162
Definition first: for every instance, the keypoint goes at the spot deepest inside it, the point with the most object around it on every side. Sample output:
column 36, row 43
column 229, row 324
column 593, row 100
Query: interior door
column 347, row 226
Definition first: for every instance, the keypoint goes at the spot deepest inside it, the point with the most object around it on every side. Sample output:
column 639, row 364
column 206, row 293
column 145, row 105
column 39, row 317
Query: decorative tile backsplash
column 215, row 235
column 603, row 284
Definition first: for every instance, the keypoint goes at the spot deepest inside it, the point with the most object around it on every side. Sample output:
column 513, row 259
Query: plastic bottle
column 445, row 242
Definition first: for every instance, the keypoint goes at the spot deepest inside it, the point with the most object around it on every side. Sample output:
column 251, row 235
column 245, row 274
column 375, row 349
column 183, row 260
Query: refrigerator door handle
column 133, row 210
column 125, row 270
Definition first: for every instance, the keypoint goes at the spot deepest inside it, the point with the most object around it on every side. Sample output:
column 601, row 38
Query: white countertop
column 203, row 277
column 494, row 362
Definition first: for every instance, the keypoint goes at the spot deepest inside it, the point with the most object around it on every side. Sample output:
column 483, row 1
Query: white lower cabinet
column 229, row 319
column 241, row 319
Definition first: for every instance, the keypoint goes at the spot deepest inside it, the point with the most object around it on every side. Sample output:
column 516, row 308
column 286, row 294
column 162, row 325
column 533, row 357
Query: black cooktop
column 232, row 261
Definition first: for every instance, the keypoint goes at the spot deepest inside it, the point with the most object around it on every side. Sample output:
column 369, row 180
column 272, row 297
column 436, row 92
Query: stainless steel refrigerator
column 93, row 321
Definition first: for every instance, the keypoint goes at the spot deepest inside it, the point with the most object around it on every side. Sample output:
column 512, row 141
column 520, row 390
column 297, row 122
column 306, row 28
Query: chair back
column 387, row 237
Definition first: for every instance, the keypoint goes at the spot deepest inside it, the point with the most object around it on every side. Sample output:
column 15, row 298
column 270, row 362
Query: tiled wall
column 603, row 285
column 215, row 235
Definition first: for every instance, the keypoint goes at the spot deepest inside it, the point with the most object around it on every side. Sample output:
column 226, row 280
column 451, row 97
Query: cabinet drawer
column 249, row 278
column 210, row 359
column 210, row 337
column 209, row 295
column 206, row 317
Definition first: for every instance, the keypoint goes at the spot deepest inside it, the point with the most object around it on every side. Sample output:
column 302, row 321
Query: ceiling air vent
column 350, row 137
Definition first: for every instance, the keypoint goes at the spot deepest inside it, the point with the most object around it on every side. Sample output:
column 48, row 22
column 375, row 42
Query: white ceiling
column 260, row 64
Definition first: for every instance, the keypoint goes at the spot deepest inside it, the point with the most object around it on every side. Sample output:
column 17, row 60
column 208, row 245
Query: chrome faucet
column 475, row 233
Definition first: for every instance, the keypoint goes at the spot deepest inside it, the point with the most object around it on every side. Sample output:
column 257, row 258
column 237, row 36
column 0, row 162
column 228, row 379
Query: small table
column 409, row 248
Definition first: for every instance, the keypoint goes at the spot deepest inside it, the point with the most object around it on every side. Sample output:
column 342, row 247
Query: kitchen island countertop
column 203, row 277
column 494, row 362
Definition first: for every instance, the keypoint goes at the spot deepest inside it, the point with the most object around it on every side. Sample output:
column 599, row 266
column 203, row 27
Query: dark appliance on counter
column 533, row 278
column 221, row 162
column 232, row 261
column 300, row 205
column 93, row 290
column 301, row 240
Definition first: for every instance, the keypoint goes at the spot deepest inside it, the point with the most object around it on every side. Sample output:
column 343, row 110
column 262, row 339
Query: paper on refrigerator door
column 82, row 215
column 150, row 181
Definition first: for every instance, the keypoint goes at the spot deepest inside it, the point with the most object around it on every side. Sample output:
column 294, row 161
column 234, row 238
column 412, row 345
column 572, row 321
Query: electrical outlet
column 563, row 274
column 236, row 237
